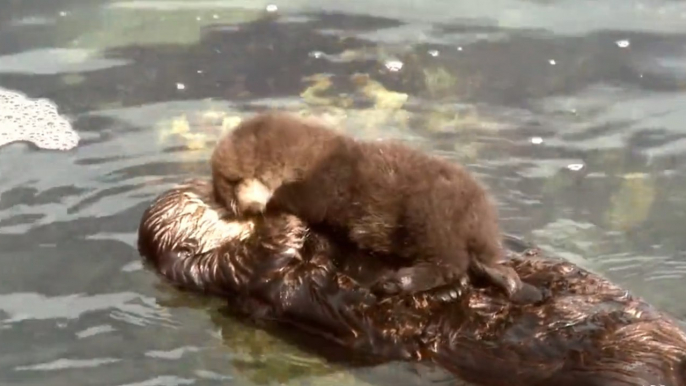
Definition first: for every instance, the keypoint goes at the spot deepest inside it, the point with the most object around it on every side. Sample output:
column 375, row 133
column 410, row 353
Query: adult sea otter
column 587, row 331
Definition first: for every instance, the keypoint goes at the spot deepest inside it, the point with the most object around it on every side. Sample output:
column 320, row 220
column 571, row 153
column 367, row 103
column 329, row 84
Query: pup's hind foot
column 508, row 279
column 422, row 277
column 252, row 196
column 527, row 294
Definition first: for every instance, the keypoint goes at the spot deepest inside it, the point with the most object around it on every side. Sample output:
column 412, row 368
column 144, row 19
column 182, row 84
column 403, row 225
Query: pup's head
column 234, row 159
column 226, row 174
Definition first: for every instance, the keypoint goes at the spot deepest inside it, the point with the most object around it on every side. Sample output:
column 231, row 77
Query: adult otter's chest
column 588, row 332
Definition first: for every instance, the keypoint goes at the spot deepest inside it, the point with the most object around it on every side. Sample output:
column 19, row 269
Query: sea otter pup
column 588, row 331
column 386, row 197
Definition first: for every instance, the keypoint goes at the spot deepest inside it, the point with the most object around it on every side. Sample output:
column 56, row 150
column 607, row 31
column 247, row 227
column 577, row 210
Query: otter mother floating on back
column 587, row 331
column 384, row 196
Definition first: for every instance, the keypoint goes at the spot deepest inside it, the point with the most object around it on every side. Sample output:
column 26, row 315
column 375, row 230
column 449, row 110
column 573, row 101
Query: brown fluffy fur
column 386, row 197
column 588, row 331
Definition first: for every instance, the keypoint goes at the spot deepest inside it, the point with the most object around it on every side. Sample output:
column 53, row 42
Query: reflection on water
column 571, row 111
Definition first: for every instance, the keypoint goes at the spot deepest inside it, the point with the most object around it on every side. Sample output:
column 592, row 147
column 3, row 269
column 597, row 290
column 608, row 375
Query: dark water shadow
column 366, row 368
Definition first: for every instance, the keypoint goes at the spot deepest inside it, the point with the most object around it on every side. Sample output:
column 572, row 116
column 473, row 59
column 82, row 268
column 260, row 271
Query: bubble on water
column 34, row 120
column 394, row 65
column 622, row 43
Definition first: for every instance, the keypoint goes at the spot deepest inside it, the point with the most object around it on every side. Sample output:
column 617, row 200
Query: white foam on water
column 34, row 120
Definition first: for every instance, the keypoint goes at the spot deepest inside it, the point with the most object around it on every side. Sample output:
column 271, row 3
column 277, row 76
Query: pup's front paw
column 387, row 286
column 448, row 292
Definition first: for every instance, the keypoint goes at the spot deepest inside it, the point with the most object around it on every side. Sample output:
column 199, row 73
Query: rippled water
column 573, row 112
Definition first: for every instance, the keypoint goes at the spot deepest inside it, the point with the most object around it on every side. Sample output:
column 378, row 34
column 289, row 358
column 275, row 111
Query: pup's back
column 438, row 206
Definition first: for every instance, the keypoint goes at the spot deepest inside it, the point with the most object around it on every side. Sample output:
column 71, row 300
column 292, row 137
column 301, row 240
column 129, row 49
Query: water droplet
column 180, row 86
column 316, row 54
column 433, row 53
column 622, row 43
column 552, row 62
column 536, row 140
column 459, row 48
column 575, row 167
column 272, row 8
column 394, row 65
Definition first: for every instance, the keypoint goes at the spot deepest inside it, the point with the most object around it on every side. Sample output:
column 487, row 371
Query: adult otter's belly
column 587, row 332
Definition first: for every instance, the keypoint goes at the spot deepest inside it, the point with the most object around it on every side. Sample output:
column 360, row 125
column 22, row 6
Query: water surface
column 571, row 111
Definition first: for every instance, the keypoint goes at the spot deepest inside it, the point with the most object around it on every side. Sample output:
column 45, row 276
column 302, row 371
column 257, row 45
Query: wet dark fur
column 386, row 197
column 588, row 331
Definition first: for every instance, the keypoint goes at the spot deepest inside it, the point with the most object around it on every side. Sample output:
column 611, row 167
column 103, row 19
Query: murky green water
column 573, row 112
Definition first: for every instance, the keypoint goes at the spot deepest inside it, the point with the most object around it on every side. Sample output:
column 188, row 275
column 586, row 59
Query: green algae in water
column 120, row 27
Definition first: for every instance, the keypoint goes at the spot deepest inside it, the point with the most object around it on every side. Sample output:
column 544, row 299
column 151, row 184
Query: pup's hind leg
column 252, row 196
column 373, row 232
column 441, row 283
column 507, row 279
